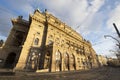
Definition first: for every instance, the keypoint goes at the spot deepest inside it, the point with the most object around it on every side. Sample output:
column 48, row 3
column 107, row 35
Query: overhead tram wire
column 36, row 6
column 98, row 43
column 4, row 24
column 2, row 9
column 6, row 10
column 84, row 19
column 83, row 22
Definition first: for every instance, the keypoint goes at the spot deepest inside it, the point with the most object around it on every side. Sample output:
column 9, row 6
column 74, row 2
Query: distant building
column 44, row 43
column 1, row 43
column 118, row 56
column 102, row 60
column 113, row 62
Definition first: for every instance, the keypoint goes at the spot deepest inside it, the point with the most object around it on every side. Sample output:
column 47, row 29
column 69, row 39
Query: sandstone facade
column 44, row 43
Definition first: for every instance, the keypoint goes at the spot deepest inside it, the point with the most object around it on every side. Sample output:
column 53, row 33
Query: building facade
column 102, row 60
column 44, row 43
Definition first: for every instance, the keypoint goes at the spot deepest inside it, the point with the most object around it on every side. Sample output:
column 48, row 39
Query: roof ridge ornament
column 37, row 10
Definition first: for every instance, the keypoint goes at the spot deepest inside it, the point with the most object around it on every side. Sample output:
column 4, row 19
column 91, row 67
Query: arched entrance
column 58, row 61
column 10, row 60
column 72, row 62
column 47, row 60
column 66, row 61
column 34, row 60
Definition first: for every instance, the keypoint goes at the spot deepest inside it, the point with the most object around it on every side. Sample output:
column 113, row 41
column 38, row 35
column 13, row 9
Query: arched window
column 34, row 60
column 72, row 58
column 72, row 61
column 36, row 41
column 66, row 58
column 47, row 60
column 66, row 61
column 57, row 41
column 58, row 61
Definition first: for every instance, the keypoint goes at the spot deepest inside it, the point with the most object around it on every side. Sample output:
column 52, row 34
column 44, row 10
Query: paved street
column 105, row 73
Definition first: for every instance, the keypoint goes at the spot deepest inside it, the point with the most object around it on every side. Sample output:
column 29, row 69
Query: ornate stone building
column 44, row 43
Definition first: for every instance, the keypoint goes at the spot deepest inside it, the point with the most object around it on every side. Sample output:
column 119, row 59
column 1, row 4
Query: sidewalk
column 6, row 72
column 103, row 73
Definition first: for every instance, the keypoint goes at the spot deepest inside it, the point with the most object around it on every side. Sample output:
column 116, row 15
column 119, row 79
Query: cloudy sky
column 91, row 18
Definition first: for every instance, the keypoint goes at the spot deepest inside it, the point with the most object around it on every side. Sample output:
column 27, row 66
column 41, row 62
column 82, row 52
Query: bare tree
column 117, row 48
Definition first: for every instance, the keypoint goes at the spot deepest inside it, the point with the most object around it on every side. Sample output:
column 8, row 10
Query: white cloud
column 86, row 15
column 72, row 12
column 5, row 21
column 23, row 7
column 75, row 12
column 14, row 8
column 82, row 13
column 103, row 47
column 93, row 23
column 114, row 17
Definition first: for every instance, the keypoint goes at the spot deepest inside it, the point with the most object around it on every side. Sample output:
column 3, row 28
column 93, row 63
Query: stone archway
column 58, row 61
column 66, row 61
column 10, row 60
column 34, row 60
column 72, row 62
column 47, row 60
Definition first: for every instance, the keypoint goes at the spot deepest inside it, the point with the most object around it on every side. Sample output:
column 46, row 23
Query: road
column 103, row 73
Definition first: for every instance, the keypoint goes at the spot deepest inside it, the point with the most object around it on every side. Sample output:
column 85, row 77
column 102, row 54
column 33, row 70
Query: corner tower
column 13, row 45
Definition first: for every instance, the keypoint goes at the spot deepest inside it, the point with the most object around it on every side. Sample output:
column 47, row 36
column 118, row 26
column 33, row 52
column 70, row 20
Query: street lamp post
column 116, row 29
column 114, row 39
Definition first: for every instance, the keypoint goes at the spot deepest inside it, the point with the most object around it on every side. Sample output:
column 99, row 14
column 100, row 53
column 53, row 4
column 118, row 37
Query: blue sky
column 91, row 18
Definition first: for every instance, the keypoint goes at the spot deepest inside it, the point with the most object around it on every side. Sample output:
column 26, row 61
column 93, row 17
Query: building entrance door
column 58, row 61
column 66, row 61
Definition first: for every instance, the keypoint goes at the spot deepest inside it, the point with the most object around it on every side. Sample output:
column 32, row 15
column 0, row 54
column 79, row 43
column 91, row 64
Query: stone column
column 52, row 66
column 62, row 55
